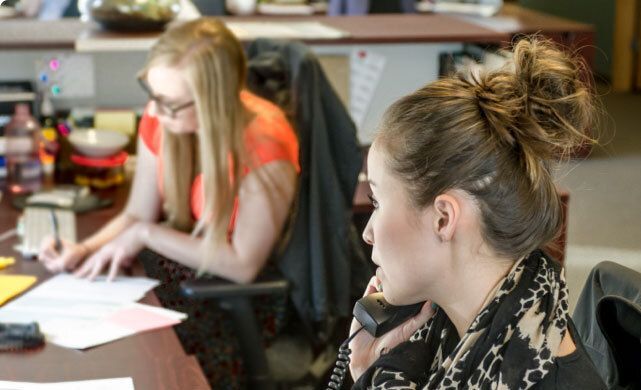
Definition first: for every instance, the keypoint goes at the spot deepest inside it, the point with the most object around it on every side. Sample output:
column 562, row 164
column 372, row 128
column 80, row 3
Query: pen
column 56, row 230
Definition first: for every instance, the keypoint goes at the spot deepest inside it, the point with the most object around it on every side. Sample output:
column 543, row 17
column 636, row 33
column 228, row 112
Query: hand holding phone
column 379, row 317
column 393, row 326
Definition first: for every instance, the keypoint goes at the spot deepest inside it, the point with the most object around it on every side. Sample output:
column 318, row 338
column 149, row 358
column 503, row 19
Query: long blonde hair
column 214, row 65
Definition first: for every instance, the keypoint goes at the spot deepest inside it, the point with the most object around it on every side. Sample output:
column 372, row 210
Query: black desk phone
column 377, row 317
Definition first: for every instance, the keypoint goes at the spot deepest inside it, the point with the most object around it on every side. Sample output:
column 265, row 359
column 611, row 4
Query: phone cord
column 342, row 363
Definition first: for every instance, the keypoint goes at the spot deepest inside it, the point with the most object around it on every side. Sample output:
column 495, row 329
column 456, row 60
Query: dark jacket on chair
column 608, row 318
column 318, row 258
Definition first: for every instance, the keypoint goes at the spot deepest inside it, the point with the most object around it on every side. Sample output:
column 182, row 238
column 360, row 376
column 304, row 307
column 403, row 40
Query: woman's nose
column 368, row 234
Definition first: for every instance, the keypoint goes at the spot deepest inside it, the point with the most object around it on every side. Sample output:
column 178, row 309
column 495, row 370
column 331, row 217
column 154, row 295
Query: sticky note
column 6, row 261
column 12, row 285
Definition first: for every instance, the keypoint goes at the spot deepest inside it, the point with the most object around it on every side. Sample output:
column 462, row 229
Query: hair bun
column 539, row 102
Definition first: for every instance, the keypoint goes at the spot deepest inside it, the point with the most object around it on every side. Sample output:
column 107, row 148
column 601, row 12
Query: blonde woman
column 463, row 189
column 215, row 179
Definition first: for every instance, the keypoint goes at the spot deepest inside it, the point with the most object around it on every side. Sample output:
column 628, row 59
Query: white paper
column 74, row 312
column 284, row 30
column 496, row 23
column 121, row 289
column 366, row 69
column 87, row 334
column 69, row 298
column 98, row 384
column 83, row 335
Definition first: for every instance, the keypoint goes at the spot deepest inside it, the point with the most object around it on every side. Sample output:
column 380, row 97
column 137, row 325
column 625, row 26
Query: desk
column 411, row 45
column 379, row 29
column 155, row 360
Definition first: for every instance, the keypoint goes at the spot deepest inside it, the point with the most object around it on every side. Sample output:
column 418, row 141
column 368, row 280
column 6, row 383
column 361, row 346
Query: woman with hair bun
column 464, row 197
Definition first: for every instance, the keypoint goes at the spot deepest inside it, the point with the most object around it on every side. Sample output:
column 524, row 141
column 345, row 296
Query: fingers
column 54, row 266
column 415, row 323
column 98, row 266
column 100, row 261
column 354, row 326
column 403, row 332
column 85, row 268
column 372, row 286
column 47, row 251
column 94, row 265
column 117, row 262
column 53, row 260
column 47, row 243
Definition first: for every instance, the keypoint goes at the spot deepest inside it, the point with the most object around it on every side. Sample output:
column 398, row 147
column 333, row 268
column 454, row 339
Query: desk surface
column 155, row 359
column 398, row 28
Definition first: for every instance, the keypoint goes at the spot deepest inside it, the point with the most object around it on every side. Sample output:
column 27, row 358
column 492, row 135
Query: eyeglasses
column 163, row 108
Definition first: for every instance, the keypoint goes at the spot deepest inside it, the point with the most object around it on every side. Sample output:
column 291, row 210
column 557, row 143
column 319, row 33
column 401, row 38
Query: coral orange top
column 268, row 137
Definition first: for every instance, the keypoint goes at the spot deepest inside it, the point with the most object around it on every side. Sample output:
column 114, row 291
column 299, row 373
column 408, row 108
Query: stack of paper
column 77, row 313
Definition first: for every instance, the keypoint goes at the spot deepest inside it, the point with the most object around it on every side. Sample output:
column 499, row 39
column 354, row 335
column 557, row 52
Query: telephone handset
column 379, row 317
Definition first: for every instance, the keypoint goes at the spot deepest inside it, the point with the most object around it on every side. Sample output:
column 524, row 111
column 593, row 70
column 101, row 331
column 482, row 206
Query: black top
column 570, row 372
column 573, row 371
column 514, row 361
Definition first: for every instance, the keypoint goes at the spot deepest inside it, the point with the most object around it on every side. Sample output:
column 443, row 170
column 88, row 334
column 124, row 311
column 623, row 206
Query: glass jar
column 22, row 151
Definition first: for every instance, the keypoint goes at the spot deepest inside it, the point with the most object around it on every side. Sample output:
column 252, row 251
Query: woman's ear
column 447, row 211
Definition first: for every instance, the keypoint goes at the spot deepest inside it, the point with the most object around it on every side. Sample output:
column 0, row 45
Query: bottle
column 49, row 145
column 3, row 160
column 22, row 135
column 3, row 172
column 64, row 169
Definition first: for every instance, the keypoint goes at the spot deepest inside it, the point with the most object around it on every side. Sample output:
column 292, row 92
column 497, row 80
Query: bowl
column 134, row 15
column 98, row 142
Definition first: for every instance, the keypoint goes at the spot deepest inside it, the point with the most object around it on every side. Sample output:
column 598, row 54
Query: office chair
column 608, row 318
column 316, row 265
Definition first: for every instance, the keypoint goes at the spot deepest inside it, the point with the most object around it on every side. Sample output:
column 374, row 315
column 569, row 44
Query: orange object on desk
column 100, row 173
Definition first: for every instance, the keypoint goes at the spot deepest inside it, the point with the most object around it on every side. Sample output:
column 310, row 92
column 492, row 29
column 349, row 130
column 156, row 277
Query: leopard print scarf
column 511, row 343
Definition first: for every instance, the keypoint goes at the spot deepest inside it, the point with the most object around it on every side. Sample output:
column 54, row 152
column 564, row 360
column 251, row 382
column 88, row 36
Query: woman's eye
column 373, row 200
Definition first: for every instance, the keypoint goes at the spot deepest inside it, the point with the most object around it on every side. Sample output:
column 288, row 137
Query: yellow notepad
column 12, row 285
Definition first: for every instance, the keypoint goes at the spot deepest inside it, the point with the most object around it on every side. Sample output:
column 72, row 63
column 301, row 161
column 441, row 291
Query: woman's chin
column 391, row 298
column 396, row 300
